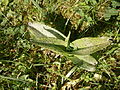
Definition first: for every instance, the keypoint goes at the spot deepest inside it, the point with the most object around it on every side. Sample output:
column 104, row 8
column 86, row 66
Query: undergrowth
column 24, row 65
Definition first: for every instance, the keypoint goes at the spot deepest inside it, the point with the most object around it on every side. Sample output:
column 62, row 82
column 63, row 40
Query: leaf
column 46, row 31
column 89, row 45
column 51, row 40
column 115, row 3
column 50, row 43
column 39, row 36
column 48, row 40
column 110, row 12
column 59, row 49
column 87, row 58
column 81, row 63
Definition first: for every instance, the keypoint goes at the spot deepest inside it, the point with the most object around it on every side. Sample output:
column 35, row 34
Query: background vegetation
column 24, row 65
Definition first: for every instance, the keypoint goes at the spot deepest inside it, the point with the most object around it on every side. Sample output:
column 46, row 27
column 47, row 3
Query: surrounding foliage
column 26, row 65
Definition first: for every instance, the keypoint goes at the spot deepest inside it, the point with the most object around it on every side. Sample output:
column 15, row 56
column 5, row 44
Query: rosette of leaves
column 77, row 51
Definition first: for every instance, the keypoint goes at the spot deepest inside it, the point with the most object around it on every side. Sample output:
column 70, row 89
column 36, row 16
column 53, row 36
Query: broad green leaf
column 89, row 45
column 81, row 63
column 59, row 49
column 51, row 40
column 87, row 58
column 89, row 50
column 48, row 40
column 35, row 33
column 51, row 43
column 44, row 30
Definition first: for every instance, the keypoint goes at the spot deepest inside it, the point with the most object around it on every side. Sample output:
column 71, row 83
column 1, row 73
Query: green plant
column 112, row 11
column 24, row 65
column 78, row 51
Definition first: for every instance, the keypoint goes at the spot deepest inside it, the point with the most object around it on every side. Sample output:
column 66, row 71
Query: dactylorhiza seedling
column 77, row 51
